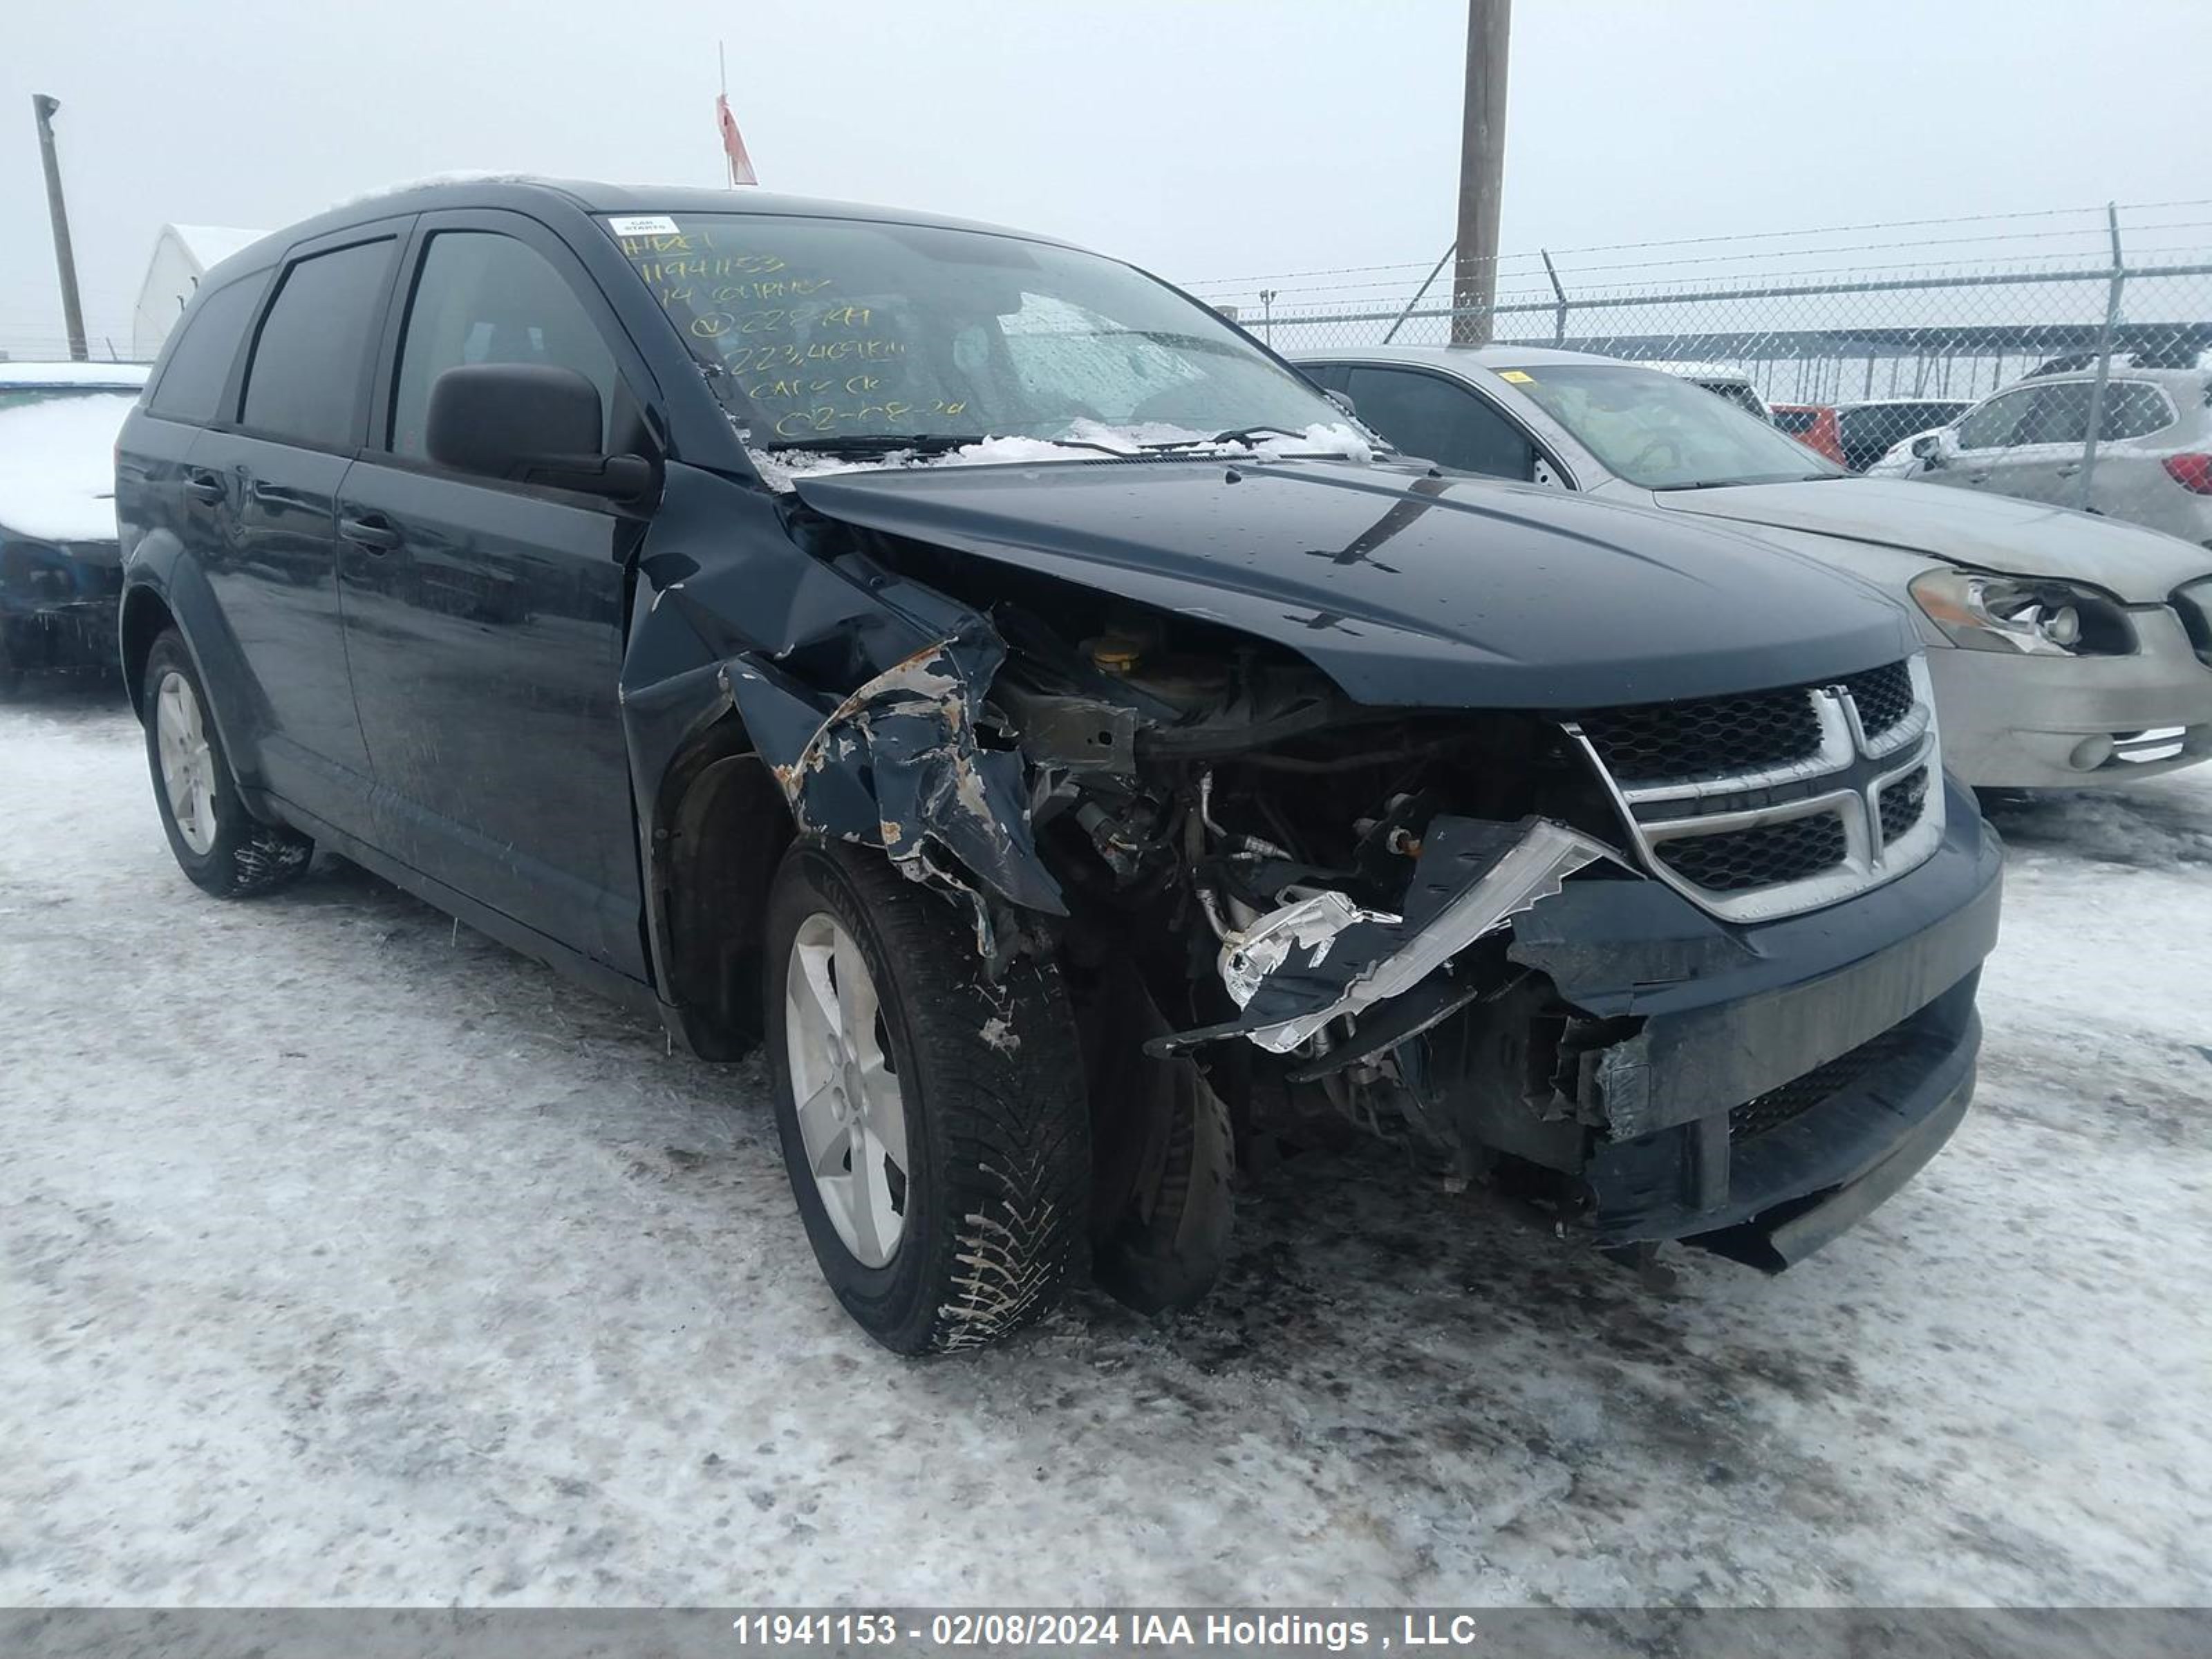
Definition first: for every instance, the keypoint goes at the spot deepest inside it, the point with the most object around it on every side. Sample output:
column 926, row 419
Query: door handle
column 2069, row 468
column 372, row 531
column 204, row 487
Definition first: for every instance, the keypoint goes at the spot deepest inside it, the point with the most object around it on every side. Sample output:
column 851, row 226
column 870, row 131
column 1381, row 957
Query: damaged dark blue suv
column 984, row 675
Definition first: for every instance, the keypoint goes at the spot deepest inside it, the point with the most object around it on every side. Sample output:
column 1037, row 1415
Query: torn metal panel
column 897, row 765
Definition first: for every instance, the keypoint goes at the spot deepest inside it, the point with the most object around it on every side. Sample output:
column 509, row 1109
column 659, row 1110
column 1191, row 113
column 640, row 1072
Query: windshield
column 841, row 330
column 1662, row 433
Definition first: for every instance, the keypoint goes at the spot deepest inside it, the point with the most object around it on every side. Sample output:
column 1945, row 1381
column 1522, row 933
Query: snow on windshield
column 58, row 466
column 1083, row 442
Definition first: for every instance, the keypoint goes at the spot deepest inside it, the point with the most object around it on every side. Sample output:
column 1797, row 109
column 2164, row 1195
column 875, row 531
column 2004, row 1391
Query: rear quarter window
column 2133, row 409
column 206, row 346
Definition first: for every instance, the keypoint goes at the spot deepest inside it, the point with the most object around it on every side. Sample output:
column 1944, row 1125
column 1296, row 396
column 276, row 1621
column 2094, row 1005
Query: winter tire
column 934, row 1124
column 221, row 846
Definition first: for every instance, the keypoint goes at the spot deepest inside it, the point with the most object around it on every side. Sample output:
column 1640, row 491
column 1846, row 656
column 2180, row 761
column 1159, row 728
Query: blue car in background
column 61, row 573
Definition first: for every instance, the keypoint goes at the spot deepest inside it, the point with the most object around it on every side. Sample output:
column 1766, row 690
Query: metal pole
column 2104, row 361
column 1267, row 314
column 65, row 257
column 1559, row 317
column 1481, row 171
column 1391, row 333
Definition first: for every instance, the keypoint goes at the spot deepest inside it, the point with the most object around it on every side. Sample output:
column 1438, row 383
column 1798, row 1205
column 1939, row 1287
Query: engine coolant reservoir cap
column 1116, row 655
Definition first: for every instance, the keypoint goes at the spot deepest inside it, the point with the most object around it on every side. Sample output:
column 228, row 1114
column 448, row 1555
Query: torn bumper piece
column 1299, row 967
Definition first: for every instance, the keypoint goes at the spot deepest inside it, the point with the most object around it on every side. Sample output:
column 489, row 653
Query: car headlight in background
column 2022, row 613
column 2193, row 604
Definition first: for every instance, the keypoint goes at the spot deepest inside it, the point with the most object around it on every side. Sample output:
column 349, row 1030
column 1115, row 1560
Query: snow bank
column 116, row 375
column 57, row 467
column 1083, row 442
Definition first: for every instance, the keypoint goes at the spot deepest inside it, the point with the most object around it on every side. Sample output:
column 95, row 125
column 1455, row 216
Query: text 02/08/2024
column 1065, row 1628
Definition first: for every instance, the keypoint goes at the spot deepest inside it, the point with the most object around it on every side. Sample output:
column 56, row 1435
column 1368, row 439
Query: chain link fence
column 1949, row 311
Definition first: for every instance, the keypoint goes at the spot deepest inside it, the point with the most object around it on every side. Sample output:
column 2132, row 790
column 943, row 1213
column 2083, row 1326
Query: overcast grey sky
column 1205, row 141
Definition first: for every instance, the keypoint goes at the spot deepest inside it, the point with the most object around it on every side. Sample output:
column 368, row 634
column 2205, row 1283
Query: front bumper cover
column 1865, row 1009
column 59, row 604
column 2017, row 722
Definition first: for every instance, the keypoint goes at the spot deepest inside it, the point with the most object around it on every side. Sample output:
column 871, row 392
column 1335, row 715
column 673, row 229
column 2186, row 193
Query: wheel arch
column 145, row 615
column 719, row 828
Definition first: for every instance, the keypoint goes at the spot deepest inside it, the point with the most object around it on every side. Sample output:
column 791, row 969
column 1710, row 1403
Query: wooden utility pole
column 64, row 259
column 1481, row 170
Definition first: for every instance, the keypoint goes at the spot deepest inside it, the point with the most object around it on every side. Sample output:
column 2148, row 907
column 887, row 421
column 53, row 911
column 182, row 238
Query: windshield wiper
column 1731, row 483
column 876, row 443
column 1236, row 435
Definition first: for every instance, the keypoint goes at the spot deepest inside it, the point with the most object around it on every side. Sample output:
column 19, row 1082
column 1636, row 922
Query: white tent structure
column 182, row 255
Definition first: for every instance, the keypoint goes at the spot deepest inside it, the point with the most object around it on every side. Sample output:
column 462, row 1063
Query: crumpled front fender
column 897, row 765
column 859, row 689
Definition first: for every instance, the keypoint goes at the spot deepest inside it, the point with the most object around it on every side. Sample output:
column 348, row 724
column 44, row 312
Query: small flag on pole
column 734, row 144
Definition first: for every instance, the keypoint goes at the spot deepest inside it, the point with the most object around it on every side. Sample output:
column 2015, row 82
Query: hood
column 1993, row 532
column 57, row 467
column 1406, row 589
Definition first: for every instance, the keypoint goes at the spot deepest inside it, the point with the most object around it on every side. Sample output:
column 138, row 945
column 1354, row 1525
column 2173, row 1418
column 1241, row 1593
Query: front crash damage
column 1278, row 907
column 898, row 765
column 1321, row 957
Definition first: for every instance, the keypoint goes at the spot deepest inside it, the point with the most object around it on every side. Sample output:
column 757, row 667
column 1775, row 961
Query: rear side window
column 304, row 382
column 199, row 362
column 1796, row 422
column 2059, row 415
column 485, row 298
column 1425, row 414
column 2133, row 410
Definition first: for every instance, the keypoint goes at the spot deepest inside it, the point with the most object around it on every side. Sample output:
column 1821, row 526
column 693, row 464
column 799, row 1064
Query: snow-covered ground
column 349, row 1258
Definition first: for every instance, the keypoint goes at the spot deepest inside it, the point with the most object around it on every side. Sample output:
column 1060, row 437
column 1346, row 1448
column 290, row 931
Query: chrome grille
column 1884, row 696
column 1902, row 804
column 1700, row 739
column 1764, row 856
column 1756, row 822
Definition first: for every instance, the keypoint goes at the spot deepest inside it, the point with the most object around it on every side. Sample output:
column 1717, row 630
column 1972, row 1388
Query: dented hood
column 1406, row 589
column 1989, row 533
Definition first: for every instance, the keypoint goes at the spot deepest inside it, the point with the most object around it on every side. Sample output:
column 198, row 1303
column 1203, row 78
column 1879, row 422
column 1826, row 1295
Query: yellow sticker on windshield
column 1516, row 377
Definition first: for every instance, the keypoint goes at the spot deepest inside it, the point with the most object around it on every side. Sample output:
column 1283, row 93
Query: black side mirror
column 528, row 424
column 1342, row 400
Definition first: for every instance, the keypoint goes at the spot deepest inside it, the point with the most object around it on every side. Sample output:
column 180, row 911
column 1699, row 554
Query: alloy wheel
column 852, row 1112
column 187, row 761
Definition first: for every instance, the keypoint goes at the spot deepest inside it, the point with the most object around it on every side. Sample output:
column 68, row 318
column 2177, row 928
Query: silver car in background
column 2153, row 447
column 1723, row 381
column 2063, row 647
